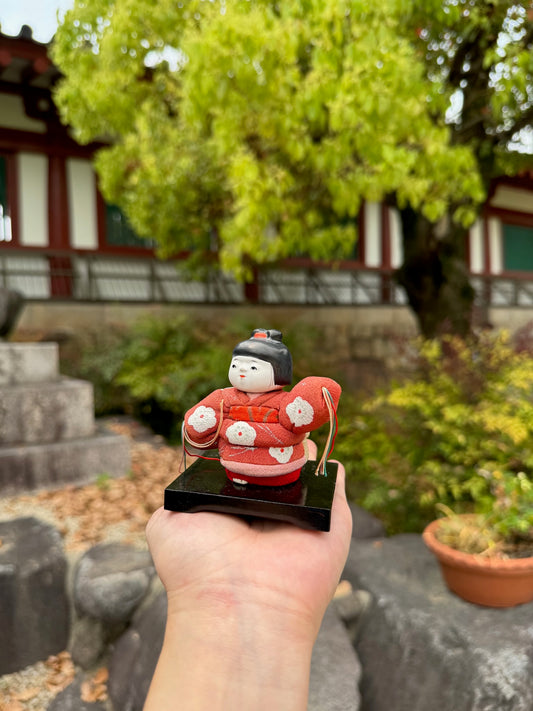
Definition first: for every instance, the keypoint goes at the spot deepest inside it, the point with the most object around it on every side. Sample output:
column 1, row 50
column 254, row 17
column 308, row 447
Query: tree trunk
column 435, row 276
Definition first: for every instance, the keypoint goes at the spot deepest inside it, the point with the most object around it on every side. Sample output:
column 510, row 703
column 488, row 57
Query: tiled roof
column 24, row 61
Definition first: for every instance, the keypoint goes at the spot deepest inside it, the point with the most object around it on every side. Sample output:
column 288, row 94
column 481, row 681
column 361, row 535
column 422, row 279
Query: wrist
column 267, row 610
column 227, row 648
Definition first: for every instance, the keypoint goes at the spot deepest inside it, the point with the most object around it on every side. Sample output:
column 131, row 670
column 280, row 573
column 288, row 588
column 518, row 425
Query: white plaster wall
column 82, row 204
column 33, row 199
column 509, row 198
column 396, row 247
column 496, row 245
column 476, row 247
column 12, row 115
column 372, row 234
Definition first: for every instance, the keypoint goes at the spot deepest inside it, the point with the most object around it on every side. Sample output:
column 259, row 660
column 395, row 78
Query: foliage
column 96, row 356
column 261, row 125
column 170, row 364
column 505, row 526
column 454, row 435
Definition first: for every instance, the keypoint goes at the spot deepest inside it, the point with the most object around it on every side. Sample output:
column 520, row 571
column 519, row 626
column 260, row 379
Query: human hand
column 213, row 557
column 248, row 597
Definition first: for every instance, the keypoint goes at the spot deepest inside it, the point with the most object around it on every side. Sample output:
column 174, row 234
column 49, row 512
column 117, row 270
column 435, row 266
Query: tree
column 478, row 56
column 263, row 125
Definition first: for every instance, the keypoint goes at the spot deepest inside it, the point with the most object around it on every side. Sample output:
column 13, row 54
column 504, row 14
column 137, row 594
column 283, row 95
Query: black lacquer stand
column 204, row 486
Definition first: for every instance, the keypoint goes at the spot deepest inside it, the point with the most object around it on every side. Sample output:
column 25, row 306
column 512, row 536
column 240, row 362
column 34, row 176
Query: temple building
column 59, row 240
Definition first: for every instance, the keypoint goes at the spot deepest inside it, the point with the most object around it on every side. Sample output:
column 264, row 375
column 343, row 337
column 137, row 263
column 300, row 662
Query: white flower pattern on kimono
column 241, row 433
column 281, row 454
column 202, row 419
column 300, row 412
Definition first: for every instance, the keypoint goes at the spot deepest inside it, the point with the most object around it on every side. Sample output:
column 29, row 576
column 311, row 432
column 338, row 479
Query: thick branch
column 456, row 73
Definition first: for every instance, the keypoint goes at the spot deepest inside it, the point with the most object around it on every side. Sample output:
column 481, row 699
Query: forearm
column 231, row 656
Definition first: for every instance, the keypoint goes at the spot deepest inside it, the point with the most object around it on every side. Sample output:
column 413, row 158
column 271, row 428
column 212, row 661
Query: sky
column 40, row 15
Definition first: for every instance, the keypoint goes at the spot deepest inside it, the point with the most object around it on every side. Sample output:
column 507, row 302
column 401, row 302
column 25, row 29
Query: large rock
column 421, row 647
column 135, row 656
column 335, row 668
column 88, row 641
column 111, row 580
column 364, row 524
column 34, row 610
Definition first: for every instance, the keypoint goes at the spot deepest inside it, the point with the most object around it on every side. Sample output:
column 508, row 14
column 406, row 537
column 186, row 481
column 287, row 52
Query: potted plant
column 457, row 431
column 487, row 557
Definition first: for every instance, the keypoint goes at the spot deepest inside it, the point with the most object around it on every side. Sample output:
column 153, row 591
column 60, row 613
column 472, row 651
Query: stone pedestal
column 48, row 436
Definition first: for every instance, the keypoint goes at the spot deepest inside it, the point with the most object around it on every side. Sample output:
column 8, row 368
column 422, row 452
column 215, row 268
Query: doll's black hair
column 268, row 346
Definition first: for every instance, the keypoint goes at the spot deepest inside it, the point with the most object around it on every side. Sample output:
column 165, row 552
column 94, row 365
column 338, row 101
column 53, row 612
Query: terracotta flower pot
column 485, row 581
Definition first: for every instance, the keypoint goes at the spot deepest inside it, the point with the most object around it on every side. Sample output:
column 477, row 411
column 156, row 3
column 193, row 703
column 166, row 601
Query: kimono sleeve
column 202, row 420
column 304, row 408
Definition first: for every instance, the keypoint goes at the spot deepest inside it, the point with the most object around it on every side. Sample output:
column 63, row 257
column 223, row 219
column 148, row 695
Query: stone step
column 77, row 461
column 46, row 412
column 28, row 363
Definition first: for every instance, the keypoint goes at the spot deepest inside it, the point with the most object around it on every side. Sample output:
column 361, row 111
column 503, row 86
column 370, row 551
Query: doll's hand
column 250, row 594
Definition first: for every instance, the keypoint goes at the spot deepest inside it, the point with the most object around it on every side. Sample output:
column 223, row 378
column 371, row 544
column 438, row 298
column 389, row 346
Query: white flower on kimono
column 241, row 433
column 202, row 419
column 300, row 412
column 281, row 454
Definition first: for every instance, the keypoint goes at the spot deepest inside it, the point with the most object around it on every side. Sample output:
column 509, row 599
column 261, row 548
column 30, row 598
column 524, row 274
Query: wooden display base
column 204, row 486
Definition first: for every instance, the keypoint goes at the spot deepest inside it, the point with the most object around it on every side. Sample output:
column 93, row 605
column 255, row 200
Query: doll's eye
column 233, row 365
column 253, row 367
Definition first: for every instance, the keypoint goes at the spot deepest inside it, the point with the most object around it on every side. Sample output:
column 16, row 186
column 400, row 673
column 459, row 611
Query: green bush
column 167, row 366
column 97, row 356
column 445, row 435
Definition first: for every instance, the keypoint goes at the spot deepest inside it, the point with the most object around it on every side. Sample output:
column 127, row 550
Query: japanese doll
column 258, row 427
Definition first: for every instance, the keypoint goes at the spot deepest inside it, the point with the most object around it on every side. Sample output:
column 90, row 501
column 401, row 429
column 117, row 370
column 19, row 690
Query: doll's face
column 251, row 375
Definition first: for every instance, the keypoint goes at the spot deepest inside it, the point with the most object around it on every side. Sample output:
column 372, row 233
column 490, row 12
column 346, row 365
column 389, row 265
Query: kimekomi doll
column 259, row 428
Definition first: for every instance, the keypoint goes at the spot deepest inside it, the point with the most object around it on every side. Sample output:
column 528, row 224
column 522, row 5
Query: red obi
column 253, row 413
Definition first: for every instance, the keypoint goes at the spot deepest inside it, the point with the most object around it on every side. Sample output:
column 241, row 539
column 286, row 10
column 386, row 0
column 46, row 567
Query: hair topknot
column 267, row 345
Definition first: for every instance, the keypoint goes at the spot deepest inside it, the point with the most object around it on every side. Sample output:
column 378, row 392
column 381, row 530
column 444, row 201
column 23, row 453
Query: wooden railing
column 88, row 276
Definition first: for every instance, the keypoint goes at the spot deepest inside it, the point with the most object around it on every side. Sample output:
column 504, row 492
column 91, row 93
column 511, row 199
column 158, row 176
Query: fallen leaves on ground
column 85, row 514
column 33, row 688
column 95, row 688
column 61, row 672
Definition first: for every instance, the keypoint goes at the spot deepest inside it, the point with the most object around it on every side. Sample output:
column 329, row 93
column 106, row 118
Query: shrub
column 443, row 436
column 97, row 356
column 167, row 366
